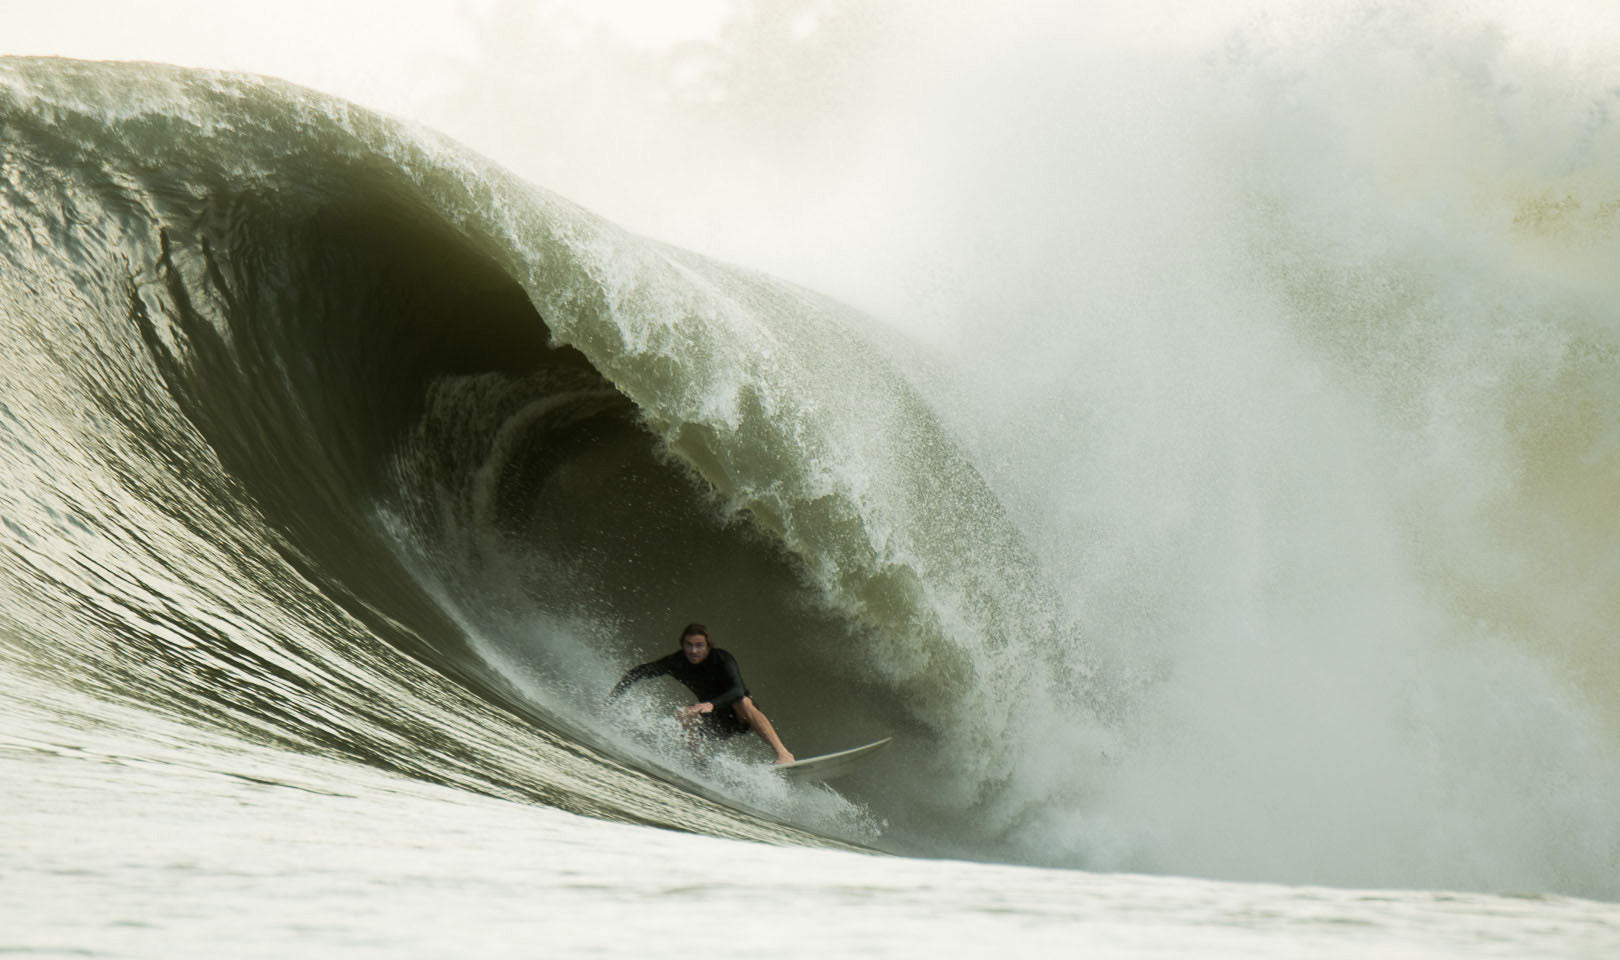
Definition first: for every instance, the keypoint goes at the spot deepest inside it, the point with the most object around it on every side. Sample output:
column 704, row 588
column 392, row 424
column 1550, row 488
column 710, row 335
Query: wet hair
column 695, row 630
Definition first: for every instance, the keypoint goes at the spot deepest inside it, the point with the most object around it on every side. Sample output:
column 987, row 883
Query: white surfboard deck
column 830, row 765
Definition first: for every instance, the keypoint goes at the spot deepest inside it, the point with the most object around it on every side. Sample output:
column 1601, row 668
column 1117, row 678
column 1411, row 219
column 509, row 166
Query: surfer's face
column 695, row 646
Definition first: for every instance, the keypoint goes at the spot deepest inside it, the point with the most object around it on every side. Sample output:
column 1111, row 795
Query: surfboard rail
column 830, row 765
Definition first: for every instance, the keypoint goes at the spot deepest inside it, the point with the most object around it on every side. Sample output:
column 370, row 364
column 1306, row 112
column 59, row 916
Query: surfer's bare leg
column 760, row 724
column 694, row 735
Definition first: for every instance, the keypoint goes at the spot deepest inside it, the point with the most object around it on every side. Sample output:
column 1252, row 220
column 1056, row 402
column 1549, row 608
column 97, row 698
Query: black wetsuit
column 715, row 679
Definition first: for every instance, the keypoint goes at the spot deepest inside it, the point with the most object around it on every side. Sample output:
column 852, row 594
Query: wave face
column 319, row 429
column 325, row 430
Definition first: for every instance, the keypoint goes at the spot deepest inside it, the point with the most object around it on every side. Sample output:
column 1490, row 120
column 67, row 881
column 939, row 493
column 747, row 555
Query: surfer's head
column 695, row 642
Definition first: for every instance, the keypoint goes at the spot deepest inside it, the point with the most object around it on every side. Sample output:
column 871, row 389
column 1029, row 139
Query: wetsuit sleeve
column 652, row 668
column 735, row 690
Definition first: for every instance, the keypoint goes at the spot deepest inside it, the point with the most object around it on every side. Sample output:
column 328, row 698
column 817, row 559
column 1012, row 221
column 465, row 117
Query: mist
column 1288, row 341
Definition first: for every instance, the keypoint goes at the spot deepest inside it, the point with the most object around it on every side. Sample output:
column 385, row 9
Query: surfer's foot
column 783, row 757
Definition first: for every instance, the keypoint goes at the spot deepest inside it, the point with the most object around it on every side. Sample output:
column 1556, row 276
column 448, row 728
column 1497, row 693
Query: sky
column 377, row 52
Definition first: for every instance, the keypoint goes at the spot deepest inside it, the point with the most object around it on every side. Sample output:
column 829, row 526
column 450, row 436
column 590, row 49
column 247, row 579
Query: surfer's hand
column 695, row 709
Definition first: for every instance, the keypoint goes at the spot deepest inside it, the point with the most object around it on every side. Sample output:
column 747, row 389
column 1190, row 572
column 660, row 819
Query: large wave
column 504, row 438
column 322, row 429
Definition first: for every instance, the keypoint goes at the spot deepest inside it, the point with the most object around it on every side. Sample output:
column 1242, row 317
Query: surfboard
column 830, row 765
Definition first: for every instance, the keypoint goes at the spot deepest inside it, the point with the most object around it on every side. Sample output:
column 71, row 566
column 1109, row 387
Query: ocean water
column 167, row 840
column 1243, row 588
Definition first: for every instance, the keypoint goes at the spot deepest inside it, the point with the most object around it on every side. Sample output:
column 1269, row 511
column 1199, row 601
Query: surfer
column 724, row 708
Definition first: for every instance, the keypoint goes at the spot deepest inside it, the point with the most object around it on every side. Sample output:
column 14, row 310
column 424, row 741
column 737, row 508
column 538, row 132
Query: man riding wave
column 724, row 708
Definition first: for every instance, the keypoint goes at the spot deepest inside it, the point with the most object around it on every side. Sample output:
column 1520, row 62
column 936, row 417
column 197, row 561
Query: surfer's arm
column 652, row 668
